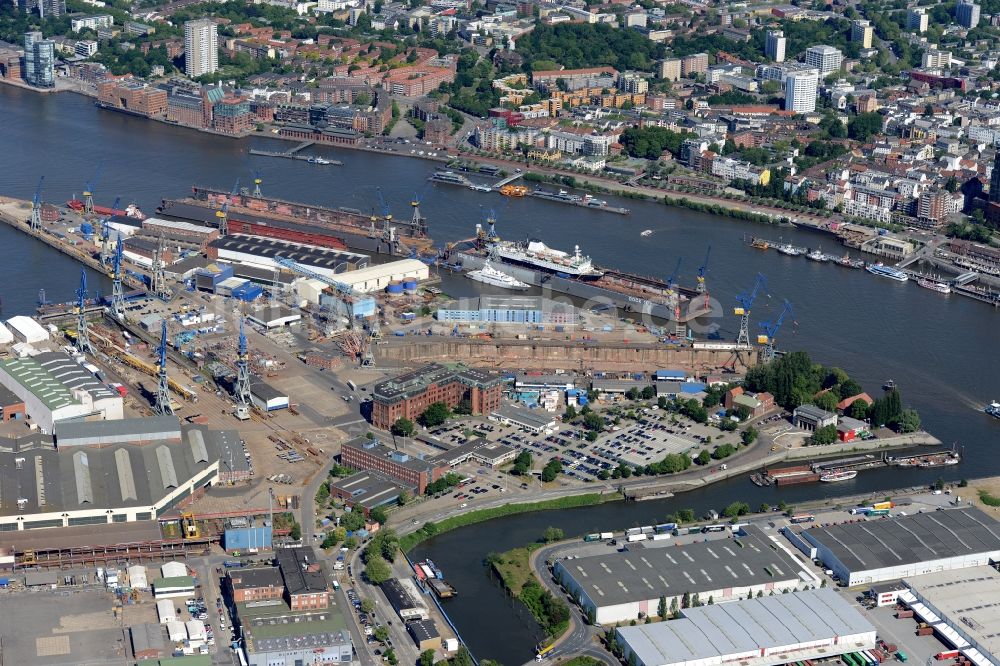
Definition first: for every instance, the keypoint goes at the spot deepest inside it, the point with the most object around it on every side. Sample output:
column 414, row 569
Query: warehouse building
column 274, row 634
column 509, row 310
column 619, row 587
column 963, row 606
column 26, row 329
column 378, row 277
column 262, row 252
column 780, row 629
column 372, row 455
column 867, row 552
column 266, row 397
column 54, row 388
column 367, row 490
column 535, row 420
column 45, row 486
column 409, row 394
column 404, row 598
column 124, row 431
column 245, row 535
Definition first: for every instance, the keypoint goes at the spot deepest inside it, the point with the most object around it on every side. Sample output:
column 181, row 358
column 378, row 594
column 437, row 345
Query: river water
column 940, row 350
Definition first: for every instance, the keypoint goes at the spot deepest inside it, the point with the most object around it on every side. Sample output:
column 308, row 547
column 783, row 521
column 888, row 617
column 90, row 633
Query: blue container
column 410, row 286
column 395, row 287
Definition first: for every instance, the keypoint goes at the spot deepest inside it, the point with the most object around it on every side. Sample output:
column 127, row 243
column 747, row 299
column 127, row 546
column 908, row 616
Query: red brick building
column 372, row 455
column 408, row 395
column 132, row 96
column 257, row 584
column 232, row 116
column 305, row 582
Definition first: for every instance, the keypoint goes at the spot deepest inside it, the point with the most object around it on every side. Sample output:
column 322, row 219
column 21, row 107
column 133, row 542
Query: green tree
column 749, row 436
column 295, row 533
column 704, row 457
column 381, row 633
column 553, row 534
column 404, row 497
column 570, row 413
column 379, row 515
column 435, row 414
column 865, row 125
column 685, row 515
column 323, row 494
column 426, row 658
column 593, row 421
column 353, row 521
column 367, row 606
column 522, row 463
column 858, row 410
column 329, row 541
column 551, row 470
column 824, row 435
column 377, row 570
column 363, row 98
column 647, row 393
column 827, row 401
column 724, row 451
column 403, row 427
column 736, row 509
column 908, row 421
column 661, row 608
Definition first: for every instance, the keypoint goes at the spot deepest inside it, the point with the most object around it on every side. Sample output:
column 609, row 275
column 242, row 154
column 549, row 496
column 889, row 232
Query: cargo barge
column 575, row 275
column 845, row 469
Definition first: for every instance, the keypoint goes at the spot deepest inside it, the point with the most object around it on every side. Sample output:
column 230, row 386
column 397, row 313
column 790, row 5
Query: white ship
column 839, row 475
column 887, row 271
column 647, row 232
column 536, row 254
column 489, row 275
column 816, row 255
column 934, row 285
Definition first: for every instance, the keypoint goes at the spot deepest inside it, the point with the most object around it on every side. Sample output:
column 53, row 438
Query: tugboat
column 889, row 385
column 817, row 255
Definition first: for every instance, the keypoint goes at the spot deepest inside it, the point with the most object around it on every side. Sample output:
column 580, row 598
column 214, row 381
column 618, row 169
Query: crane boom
column 769, row 330
column 673, row 276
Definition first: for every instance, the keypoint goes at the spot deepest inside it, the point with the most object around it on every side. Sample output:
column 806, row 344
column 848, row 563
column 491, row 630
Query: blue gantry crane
column 744, row 302
column 242, row 388
column 672, row 280
column 36, row 206
column 162, row 406
column 82, row 331
column 117, row 291
column 769, row 330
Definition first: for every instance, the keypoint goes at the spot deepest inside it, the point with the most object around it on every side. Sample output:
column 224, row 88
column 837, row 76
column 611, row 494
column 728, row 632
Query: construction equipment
column 702, row 270
column 88, row 190
column 162, row 405
column 117, row 293
column 158, row 279
column 769, row 330
column 242, row 387
column 223, row 213
column 36, row 206
column 742, row 309
column 82, row 332
column 302, row 270
column 256, row 184
column 189, row 528
column 418, row 221
column 106, row 235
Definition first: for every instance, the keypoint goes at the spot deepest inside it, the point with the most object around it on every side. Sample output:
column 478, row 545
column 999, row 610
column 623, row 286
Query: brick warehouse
column 372, row 455
column 408, row 395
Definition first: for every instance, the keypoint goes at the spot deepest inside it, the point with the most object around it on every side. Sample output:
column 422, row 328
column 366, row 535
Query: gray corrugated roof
column 745, row 626
column 647, row 573
column 153, row 425
column 866, row 545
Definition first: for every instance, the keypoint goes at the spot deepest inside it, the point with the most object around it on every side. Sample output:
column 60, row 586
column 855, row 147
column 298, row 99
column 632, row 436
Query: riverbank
column 431, row 529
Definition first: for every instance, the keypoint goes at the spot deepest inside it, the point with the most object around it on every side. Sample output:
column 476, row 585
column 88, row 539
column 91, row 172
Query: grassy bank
column 515, row 574
column 989, row 500
column 431, row 529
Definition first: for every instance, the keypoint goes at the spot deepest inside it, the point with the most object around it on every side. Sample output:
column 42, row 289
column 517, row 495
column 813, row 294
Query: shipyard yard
column 279, row 391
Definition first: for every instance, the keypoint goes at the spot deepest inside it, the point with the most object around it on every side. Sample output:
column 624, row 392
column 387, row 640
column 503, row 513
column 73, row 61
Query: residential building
column 936, row 59
column 967, row 13
column 201, row 47
column 694, row 64
column 670, row 69
column 39, row 60
column 933, row 206
column 409, row 394
column 774, row 47
column 573, row 79
column 812, row 418
column 92, row 22
column 132, row 96
column 916, row 19
column 825, row 58
column 51, row 8
column 231, row 115
column 139, row 29
column 633, row 84
column 800, row 91
column 861, row 31
column 85, row 48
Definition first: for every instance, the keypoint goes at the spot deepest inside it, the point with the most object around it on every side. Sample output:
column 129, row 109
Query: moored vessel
column 489, row 275
column 934, row 285
column 838, row 475
column 882, row 270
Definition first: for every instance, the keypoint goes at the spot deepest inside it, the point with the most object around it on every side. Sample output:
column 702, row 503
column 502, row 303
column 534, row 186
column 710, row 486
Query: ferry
column 934, row 285
column 887, row 271
column 509, row 190
column 838, row 475
column 317, row 160
column 993, row 409
column 489, row 275
column 449, row 177
column 816, row 255
column 647, row 232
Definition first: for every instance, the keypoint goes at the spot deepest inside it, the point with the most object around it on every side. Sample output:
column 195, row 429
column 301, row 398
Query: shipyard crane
column 162, row 405
column 117, row 292
column 296, row 267
column 702, row 270
column 157, row 278
column 223, row 213
column 386, row 212
column 744, row 302
column 242, row 388
column 88, row 190
column 418, row 221
column 490, row 218
column 769, row 330
column 82, row 331
column 257, row 180
column 106, row 234
column 672, row 280
column 36, row 206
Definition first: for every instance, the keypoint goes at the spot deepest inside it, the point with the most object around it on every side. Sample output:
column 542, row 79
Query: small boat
column 317, row 160
column 847, row 262
column 816, row 255
column 760, row 243
column 838, row 475
column 934, row 285
column 889, row 385
column 790, row 250
column 647, row 232
column 993, row 409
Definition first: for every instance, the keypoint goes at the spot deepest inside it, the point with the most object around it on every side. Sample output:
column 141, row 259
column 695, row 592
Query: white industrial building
column 175, row 629
column 137, row 578
column 620, row 587
column 963, row 606
column 779, row 629
column 378, row 277
column 26, row 329
column 6, row 337
column 870, row 551
column 54, row 388
column 173, row 569
column 165, row 609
